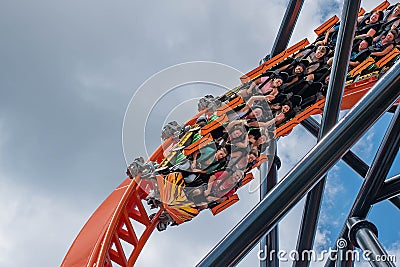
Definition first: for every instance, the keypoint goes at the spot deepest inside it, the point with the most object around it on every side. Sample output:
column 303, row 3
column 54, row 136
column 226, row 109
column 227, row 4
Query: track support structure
column 307, row 172
column 364, row 235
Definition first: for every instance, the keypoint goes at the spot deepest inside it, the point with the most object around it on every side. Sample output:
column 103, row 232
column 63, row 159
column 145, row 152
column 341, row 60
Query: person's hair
column 381, row 14
column 394, row 32
column 237, row 127
column 322, row 48
column 223, row 149
column 288, row 103
column 254, row 152
column 289, row 115
column 300, row 65
column 257, row 107
column 368, row 39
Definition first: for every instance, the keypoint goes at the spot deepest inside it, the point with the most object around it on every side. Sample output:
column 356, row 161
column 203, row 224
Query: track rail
column 99, row 242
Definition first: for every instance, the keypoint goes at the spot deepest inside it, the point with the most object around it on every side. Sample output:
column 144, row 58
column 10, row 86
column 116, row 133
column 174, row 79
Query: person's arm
column 253, row 99
column 279, row 118
column 194, row 162
column 262, row 124
column 209, row 185
column 244, row 143
column 222, row 199
column 325, row 41
column 284, row 67
column 377, row 38
column 295, row 79
column 354, row 63
column 252, row 140
column 247, row 91
column 395, row 24
column 251, row 87
column 300, row 54
column 371, row 32
column 269, row 98
column 233, row 123
column 382, row 53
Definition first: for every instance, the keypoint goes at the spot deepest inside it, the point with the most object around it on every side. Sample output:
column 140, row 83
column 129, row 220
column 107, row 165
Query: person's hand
column 269, row 98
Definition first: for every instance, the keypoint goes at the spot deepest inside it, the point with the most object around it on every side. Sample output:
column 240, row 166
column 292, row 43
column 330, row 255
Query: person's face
column 374, row 17
column 262, row 139
column 237, row 175
column 389, row 37
column 277, row 82
column 363, row 45
column 319, row 54
column 299, row 69
column 285, row 108
column 257, row 113
column 236, row 133
column 396, row 10
column 220, row 154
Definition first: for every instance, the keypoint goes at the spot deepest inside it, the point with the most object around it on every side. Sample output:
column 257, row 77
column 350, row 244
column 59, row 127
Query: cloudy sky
column 68, row 70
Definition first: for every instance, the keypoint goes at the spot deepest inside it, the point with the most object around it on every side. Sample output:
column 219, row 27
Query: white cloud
column 365, row 145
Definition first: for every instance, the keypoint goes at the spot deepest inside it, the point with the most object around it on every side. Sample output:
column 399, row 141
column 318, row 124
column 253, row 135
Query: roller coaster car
column 172, row 187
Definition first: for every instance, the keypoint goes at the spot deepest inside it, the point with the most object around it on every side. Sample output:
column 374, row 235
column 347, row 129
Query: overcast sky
column 68, row 70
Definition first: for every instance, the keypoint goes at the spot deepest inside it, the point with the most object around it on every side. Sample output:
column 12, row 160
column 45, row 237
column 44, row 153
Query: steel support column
column 363, row 234
column 377, row 173
column 333, row 102
column 284, row 196
column 342, row 256
column 271, row 241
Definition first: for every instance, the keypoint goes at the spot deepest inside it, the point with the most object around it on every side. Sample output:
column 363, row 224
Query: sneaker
column 190, row 178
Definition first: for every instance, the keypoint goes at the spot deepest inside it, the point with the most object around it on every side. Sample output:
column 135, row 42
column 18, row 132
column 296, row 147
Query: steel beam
column 289, row 191
column 390, row 188
column 330, row 116
column 376, row 175
column 379, row 168
column 287, row 26
column 351, row 159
